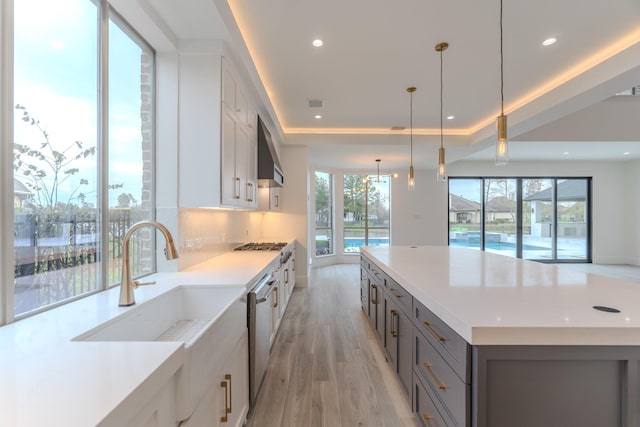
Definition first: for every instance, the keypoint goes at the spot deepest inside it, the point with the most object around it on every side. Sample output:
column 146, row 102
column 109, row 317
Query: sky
column 55, row 75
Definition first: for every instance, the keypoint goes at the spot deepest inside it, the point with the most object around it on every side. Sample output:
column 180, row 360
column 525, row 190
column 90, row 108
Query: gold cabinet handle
column 228, row 378
column 432, row 376
column 224, row 385
column 374, row 301
column 427, row 417
column 236, row 186
column 275, row 304
column 427, row 325
column 249, row 192
column 286, row 275
column 277, row 201
column 394, row 332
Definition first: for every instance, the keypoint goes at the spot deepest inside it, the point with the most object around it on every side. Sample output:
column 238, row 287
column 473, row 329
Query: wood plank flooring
column 326, row 367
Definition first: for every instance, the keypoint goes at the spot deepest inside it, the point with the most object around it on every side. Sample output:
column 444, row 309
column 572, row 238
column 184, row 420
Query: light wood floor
column 326, row 367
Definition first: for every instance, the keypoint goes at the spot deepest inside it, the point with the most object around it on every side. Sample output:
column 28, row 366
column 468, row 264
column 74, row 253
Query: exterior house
column 572, row 221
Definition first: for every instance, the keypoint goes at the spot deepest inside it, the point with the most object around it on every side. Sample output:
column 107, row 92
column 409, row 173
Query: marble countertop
column 491, row 299
column 46, row 379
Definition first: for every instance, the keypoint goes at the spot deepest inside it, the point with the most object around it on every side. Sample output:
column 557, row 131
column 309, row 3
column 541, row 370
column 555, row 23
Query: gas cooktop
column 261, row 246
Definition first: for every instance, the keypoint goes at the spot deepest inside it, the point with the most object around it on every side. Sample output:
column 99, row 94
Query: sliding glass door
column 544, row 219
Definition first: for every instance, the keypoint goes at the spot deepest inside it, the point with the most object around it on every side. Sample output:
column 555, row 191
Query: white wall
column 419, row 217
column 632, row 211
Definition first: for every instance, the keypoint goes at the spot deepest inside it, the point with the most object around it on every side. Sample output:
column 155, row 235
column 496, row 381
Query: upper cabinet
column 218, row 135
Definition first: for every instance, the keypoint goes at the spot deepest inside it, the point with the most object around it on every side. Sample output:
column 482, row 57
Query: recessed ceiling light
column 566, row 153
column 317, row 116
column 317, row 43
column 549, row 41
column 626, row 153
column 451, row 117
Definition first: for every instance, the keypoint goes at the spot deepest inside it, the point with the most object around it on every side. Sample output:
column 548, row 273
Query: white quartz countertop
column 491, row 299
column 46, row 379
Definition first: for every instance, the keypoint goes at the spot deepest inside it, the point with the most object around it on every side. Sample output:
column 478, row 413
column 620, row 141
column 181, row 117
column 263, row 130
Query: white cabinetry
column 226, row 403
column 276, row 306
column 217, row 135
column 270, row 199
column 160, row 411
column 239, row 145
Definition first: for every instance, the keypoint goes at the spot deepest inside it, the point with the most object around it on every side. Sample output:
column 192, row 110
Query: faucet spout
column 126, row 283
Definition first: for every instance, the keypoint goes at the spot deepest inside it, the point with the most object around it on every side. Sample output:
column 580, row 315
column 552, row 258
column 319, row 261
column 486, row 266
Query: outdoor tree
column 45, row 169
column 322, row 198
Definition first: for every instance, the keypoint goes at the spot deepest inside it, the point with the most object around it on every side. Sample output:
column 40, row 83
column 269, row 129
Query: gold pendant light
column 442, row 174
column 412, row 179
column 502, row 148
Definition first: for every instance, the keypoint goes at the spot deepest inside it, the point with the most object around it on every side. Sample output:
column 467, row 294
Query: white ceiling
column 374, row 49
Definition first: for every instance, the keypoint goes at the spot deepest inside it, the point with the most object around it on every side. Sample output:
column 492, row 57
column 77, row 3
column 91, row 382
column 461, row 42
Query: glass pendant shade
column 502, row 147
column 442, row 172
column 412, row 179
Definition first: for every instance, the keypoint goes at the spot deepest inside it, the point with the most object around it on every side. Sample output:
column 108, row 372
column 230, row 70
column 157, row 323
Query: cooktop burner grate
column 271, row 246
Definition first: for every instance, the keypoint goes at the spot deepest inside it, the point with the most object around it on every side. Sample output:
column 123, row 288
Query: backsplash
column 205, row 233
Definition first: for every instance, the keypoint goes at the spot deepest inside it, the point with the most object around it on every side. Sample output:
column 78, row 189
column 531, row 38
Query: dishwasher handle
column 263, row 290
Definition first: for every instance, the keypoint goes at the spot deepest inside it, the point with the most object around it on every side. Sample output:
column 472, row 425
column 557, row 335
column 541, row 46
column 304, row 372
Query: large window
column 545, row 219
column 83, row 150
column 324, row 213
column 367, row 211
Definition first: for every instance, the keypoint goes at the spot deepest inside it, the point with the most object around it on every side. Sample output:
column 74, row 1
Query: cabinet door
column 252, row 168
column 374, row 301
column 230, row 181
column 391, row 334
column 228, row 88
column 404, row 328
column 227, row 401
column 364, row 291
column 275, row 199
column 242, row 165
column 235, row 397
column 274, row 300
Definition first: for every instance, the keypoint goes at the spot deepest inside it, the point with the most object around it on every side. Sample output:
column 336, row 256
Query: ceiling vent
column 316, row 103
column 398, row 128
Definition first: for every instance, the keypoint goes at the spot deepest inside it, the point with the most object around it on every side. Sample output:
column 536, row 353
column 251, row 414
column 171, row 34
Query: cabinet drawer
column 377, row 274
column 428, row 411
column 448, row 343
column 442, row 381
column 402, row 297
column 365, row 263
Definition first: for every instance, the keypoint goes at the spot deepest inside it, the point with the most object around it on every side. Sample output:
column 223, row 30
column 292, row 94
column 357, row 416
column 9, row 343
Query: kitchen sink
column 202, row 317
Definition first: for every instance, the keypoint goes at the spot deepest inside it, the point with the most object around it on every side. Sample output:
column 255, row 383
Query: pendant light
column 442, row 175
column 412, row 180
column 502, row 148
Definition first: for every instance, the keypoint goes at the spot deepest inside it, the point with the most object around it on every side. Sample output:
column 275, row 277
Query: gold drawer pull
column 228, row 378
column 374, row 300
column 427, row 368
column 427, row 417
column 432, row 332
column 224, row 385
column 394, row 331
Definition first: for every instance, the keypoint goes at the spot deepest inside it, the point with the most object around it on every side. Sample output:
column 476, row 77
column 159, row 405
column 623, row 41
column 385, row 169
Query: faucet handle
column 137, row 283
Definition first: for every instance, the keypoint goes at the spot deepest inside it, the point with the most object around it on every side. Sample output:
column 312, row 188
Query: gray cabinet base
column 533, row 386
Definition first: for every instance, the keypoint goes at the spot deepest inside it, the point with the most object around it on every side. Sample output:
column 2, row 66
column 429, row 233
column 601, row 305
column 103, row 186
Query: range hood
column 269, row 170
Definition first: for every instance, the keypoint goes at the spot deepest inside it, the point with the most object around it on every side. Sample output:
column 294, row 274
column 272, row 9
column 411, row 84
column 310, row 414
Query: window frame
column 106, row 16
column 333, row 212
column 519, row 215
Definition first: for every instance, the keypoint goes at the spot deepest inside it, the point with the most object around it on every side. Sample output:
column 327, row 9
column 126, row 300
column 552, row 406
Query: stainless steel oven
column 259, row 323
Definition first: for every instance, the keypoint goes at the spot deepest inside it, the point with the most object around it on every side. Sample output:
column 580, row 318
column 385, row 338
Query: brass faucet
column 126, row 284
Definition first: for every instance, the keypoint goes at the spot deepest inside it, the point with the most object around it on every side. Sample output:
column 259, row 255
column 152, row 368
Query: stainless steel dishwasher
column 259, row 324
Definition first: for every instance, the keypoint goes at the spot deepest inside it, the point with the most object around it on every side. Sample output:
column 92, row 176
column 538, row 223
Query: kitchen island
column 495, row 341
